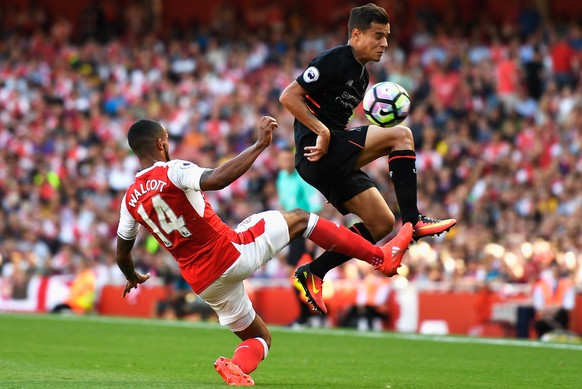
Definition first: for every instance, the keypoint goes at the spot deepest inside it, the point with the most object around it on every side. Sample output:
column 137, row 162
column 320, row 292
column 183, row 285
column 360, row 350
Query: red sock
column 249, row 354
column 333, row 237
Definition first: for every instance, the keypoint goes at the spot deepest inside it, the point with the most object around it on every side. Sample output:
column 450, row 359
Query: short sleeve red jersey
column 166, row 199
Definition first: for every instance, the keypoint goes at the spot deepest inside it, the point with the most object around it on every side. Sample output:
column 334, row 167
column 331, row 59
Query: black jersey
column 335, row 83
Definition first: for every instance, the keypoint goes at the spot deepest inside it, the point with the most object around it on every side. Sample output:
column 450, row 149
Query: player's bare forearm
column 124, row 260
column 293, row 99
column 230, row 171
column 313, row 123
column 125, row 263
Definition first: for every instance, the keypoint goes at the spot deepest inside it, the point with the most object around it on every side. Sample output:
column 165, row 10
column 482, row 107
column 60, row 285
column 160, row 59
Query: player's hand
column 315, row 153
column 140, row 279
column 266, row 127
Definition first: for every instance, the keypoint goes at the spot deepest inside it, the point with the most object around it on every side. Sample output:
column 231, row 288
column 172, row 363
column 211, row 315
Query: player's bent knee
column 301, row 214
column 297, row 220
column 405, row 136
column 379, row 224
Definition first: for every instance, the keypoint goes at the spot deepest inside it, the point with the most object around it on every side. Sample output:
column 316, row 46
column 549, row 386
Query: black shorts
column 335, row 175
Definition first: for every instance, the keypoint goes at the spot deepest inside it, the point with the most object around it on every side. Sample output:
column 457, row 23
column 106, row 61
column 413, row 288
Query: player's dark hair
column 363, row 17
column 143, row 134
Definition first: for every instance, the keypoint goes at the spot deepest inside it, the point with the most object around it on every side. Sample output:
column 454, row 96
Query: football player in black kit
column 329, row 156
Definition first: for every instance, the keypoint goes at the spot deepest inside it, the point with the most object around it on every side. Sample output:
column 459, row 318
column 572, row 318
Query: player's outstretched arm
column 125, row 263
column 228, row 172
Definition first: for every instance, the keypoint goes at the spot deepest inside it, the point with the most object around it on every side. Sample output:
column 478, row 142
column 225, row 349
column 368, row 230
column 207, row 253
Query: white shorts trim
column 244, row 322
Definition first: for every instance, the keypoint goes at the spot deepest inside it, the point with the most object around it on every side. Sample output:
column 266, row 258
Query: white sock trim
column 265, row 347
column 313, row 218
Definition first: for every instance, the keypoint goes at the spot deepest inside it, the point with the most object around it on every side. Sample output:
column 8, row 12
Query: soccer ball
column 386, row 104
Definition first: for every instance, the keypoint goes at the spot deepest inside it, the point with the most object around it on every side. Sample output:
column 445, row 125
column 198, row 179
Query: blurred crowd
column 497, row 120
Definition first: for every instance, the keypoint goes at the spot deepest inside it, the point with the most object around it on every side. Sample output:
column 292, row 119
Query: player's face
column 369, row 45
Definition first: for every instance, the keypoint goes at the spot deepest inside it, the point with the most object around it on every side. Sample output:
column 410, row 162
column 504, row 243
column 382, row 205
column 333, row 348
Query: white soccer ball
column 386, row 104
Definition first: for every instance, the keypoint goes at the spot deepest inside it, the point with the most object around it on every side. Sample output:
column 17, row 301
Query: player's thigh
column 257, row 250
column 375, row 213
column 382, row 141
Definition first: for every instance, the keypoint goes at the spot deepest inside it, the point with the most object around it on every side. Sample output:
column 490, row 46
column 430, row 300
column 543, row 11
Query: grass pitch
column 47, row 351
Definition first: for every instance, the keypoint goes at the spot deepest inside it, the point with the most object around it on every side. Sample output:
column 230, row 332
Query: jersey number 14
column 167, row 220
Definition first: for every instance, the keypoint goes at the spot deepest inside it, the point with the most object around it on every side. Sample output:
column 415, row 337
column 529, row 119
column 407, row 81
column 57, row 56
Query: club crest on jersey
column 311, row 74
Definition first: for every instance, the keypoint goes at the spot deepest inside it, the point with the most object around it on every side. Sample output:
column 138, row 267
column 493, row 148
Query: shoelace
column 427, row 219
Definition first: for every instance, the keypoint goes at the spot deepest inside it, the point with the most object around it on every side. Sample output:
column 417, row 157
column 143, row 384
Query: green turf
column 47, row 351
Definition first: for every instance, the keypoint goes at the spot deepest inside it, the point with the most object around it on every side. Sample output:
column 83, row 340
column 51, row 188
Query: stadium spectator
column 293, row 192
column 565, row 63
column 369, row 309
column 83, row 290
column 182, row 303
column 16, row 274
column 553, row 298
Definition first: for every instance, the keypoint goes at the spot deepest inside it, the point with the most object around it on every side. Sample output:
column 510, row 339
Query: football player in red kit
column 167, row 199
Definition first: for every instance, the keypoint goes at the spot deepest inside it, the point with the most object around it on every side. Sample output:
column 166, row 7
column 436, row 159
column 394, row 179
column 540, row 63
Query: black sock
column 328, row 260
column 402, row 166
column 304, row 308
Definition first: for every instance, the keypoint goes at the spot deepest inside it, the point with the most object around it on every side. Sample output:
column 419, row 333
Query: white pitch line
column 441, row 338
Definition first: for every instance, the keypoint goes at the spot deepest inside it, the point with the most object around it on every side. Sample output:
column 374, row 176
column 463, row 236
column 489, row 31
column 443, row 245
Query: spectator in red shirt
column 564, row 62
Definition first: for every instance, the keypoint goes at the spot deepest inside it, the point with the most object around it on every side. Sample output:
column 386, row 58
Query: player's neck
column 356, row 56
column 149, row 162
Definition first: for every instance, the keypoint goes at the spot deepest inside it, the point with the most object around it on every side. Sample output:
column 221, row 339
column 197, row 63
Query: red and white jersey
column 166, row 199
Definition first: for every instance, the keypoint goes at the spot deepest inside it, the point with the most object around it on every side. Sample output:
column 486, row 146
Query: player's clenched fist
column 266, row 127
